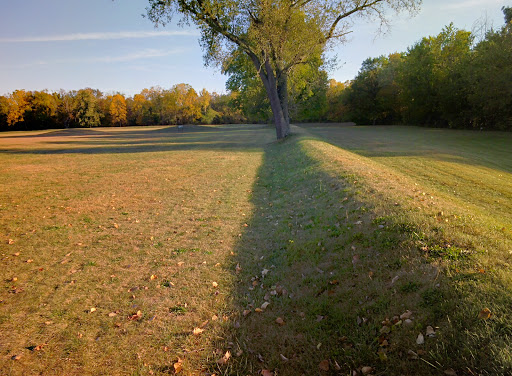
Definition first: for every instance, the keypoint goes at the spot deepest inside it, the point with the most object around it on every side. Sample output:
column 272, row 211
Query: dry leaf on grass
column 197, row 331
column 266, row 372
column 215, row 284
column 324, row 365
column 178, row 366
column 366, row 370
column 485, row 314
column 420, row 340
column 136, row 316
column 280, row 321
column 153, row 277
column 265, row 305
column 225, row 358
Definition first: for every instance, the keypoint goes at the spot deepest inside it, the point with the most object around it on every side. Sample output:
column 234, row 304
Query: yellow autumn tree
column 18, row 104
column 118, row 110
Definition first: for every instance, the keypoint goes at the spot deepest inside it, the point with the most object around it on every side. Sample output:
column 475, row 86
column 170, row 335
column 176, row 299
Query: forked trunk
column 280, row 114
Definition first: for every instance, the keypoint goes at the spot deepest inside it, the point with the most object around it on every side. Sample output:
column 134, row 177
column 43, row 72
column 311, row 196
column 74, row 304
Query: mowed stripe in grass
column 115, row 244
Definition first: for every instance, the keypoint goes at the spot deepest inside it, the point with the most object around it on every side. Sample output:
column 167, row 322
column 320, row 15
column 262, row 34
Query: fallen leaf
column 246, row 312
column 225, row 358
column 93, row 310
column 450, row 372
column 412, row 355
column 366, row 370
column 259, row 310
column 324, row 365
column 17, row 254
column 430, row 332
column 178, row 366
column 16, row 357
column 112, row 314
column 153, row 277
column 283, row 358
column 215, row 284
column 420, row 340
column 136, row 316
column 280, row 321
column 406, row 315
column 197, row 331
column 29, row 261
column 238, row 269
column 215, row 318
column 181, row 263
column 485, row 314
column 10, row 242
column 265, row 305
column 266, row 372
column 385, row 330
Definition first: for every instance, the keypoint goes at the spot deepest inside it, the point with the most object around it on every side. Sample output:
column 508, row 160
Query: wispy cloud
column 98, row 36
column 469, row 4
column 137, row 55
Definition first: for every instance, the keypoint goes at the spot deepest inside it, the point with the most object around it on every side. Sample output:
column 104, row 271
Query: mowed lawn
column 216, row 250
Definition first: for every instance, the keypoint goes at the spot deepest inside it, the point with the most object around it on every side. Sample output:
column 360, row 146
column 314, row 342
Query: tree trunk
column 282, row 91
column 280, row 114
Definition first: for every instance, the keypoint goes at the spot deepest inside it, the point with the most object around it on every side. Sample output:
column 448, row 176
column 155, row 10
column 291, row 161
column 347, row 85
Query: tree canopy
column 276, row 35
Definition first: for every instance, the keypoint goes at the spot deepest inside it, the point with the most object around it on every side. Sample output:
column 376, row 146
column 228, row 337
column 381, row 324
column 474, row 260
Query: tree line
column 91, row 108
column 447, row 80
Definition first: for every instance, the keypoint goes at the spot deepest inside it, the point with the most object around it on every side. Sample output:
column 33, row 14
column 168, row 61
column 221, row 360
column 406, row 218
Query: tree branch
column 365, row 5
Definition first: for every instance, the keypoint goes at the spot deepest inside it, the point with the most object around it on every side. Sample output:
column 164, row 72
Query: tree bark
column 280, row 114
column 282, row 91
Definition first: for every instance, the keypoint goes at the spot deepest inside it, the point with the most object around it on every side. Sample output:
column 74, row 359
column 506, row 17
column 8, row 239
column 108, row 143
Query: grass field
column 148, row 251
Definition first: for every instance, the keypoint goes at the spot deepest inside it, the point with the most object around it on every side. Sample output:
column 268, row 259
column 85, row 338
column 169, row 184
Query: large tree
column 276, row 35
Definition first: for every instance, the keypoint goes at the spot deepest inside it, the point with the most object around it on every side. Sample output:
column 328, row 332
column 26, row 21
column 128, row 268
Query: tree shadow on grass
column 139, row 140
column 318, row 271
column 315, row 253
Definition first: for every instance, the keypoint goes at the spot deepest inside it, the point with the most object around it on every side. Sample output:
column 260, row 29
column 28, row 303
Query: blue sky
column 108, row 45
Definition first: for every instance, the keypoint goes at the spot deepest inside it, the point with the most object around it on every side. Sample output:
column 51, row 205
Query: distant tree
column 18, row 104
column 44, row 110
column 490, row 79
column 430, row 80
column 276, row 35
column 204, row 101
column 336, row 109
column 4, row 110
column 67, row 108
column 118, row 110
column 138, row 107
column 86, row 111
